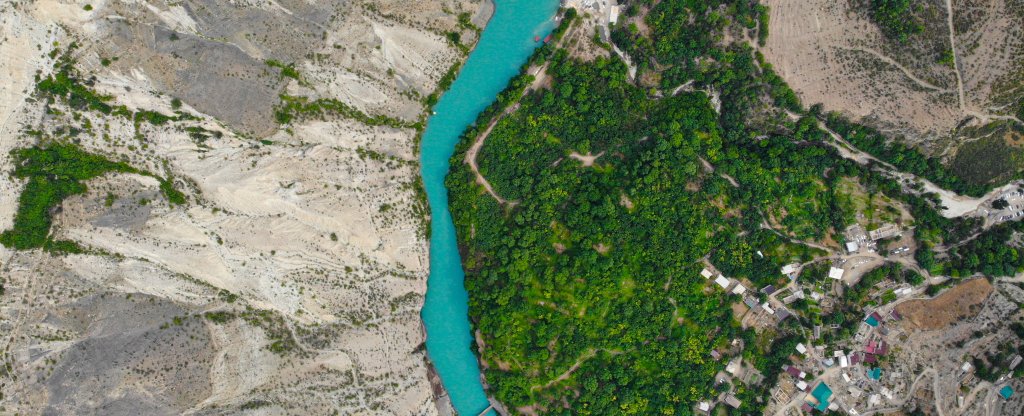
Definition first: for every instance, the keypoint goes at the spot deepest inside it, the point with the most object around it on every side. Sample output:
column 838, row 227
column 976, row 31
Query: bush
column 895, row 18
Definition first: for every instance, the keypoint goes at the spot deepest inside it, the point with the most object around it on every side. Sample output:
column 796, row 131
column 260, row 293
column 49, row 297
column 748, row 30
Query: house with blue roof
column 873, row 319
column 821, row 393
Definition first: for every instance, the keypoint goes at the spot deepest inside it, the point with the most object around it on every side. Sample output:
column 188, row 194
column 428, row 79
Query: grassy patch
column 287, row 70
column 67, row 85
column 293, row 107
column 876, row 208
column 991, row 160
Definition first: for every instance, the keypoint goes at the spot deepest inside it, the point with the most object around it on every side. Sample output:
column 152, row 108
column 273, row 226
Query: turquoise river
column 506, row 43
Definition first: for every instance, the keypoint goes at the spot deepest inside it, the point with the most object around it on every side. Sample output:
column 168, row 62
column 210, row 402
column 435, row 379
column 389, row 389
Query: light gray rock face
column 215, row 78
column 133, row 359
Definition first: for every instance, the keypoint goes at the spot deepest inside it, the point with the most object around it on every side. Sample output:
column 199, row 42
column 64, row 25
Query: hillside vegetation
column 583, row 270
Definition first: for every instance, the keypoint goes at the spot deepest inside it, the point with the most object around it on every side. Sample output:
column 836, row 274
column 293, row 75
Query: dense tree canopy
column 585, row 285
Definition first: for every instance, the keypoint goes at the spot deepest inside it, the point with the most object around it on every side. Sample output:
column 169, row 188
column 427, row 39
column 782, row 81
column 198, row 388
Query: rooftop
column 822, row 393
column 871, row 321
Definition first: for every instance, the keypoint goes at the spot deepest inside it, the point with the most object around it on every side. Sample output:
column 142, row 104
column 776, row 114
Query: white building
column 835, row 273
column 733, row 366
column 705, row 273
column 789, row 268
column 722, row 281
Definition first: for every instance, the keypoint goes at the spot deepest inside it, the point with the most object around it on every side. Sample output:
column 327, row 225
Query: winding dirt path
column 591, row 353
column 474, row 150
column 952, row 48
column 890, row 61
column 540, row 77
column 956, row 205
column 984, row 118
column 586, row 160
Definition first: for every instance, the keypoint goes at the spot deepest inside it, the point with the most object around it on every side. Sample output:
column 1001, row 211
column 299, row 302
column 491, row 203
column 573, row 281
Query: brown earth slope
column 831, row 52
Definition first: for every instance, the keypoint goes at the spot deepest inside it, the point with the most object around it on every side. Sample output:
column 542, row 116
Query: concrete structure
column 734, row 366
column 795, row 296
column 873, row 319
column 885, row 231
column 820, row 396
column 789, row 268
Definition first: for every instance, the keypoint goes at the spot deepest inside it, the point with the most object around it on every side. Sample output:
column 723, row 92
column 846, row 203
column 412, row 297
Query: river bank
column 507, row 40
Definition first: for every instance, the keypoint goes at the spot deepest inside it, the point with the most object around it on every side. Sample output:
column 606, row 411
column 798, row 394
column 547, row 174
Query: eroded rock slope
column 290, row 280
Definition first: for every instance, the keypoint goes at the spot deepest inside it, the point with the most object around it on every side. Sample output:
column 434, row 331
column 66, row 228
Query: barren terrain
column 961, row 302
column 291, row 281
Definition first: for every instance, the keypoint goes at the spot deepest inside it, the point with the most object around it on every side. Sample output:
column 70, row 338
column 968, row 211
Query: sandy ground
column 586, row 160
column 318, row 225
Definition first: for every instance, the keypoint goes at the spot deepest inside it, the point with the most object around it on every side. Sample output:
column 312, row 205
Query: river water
column 506, row 43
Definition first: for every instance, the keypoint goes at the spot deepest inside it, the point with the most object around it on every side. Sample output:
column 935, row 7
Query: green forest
column 585, row 285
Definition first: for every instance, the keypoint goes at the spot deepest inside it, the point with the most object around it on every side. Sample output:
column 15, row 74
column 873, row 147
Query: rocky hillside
column 213, row 207
column 939, row 74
